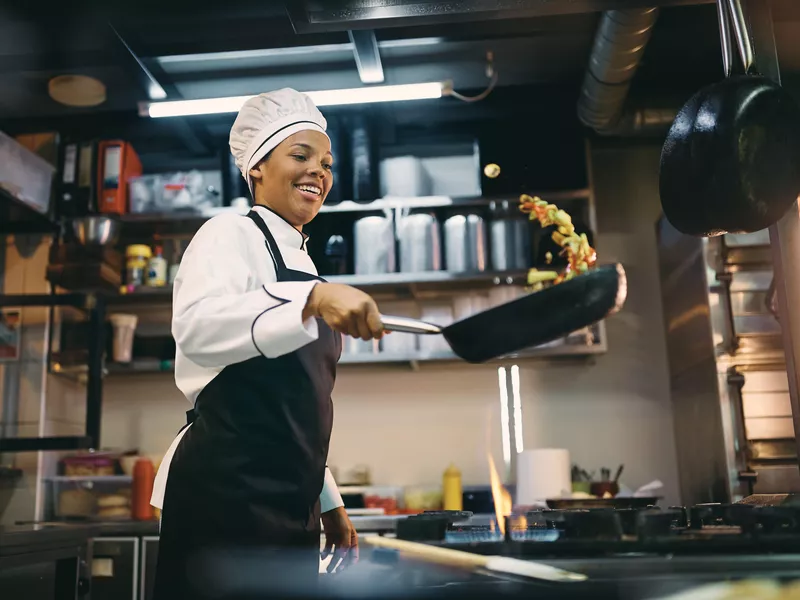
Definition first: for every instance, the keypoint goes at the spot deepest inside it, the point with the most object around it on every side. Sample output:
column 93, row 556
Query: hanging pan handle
column 742, row 33
column 725, row 36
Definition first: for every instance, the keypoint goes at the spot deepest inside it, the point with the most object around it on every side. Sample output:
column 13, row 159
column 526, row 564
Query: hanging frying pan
column 731, row 160
column 531, row 320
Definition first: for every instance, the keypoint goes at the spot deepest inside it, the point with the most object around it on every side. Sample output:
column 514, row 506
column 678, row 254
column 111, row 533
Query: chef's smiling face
column 296, row 177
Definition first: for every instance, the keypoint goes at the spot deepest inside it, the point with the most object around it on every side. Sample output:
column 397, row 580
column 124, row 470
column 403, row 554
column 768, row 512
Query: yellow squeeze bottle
column 451, row 489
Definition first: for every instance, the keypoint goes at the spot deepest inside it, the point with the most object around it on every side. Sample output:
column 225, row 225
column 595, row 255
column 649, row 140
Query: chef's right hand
column 345, row 309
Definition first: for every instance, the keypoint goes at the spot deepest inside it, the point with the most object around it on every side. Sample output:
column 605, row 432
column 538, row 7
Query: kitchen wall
column 407, row 426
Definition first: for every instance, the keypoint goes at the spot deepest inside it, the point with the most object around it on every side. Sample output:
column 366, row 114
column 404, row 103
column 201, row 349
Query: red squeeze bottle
column 143, row 478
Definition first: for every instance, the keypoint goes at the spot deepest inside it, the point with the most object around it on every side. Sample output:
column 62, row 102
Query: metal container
column 420, row 243
column 465, row 245
column 374, row 246
column 103, row 231
column 510, row 239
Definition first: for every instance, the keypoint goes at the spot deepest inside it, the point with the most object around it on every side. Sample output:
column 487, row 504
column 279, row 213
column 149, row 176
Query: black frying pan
column 731, row 161
column 533, row 319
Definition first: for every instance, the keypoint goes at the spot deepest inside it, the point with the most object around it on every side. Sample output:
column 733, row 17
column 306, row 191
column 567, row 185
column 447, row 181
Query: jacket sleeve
column 330, row 498
column 216, row 321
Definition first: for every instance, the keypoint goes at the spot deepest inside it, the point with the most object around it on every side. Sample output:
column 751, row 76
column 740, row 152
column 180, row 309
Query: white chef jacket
column 227, row 307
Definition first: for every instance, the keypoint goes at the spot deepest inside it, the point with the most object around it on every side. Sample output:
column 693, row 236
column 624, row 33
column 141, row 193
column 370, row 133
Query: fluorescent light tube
column 365, row 95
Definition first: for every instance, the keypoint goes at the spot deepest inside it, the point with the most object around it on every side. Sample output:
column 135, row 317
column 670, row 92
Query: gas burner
column 430, row 525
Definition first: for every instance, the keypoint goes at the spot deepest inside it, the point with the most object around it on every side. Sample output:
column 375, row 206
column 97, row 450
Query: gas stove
column 631, row 553
column 700, row 529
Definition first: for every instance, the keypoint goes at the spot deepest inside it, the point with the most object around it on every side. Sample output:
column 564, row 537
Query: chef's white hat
column 264, row 121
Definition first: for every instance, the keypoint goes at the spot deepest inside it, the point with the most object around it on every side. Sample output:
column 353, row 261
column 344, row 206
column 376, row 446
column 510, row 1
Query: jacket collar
column 283, row 231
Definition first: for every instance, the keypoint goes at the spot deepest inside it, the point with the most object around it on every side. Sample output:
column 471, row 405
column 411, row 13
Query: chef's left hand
column 340, row 538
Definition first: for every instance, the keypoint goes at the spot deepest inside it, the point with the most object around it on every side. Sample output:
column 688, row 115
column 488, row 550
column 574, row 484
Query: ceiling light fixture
column 365, row 95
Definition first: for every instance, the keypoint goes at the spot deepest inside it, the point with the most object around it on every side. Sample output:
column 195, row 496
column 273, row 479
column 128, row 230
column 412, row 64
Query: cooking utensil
column 580, row 503
column 465, row 246
column 96, row 230
column 374, row 246
column 619, row 472
column 731, row 160
column 498, row 565
column 531, row 320
column 336, row 253
column 365, row 171
column 420, row 243
column 510, row 238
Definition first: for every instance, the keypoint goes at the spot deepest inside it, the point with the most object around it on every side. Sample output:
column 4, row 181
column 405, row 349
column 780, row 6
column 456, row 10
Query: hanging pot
column 731, row 161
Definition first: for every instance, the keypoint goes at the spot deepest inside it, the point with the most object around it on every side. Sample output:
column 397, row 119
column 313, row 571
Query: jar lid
column 139, row 250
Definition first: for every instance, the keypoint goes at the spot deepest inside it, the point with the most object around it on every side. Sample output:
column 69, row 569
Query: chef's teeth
column 309, row 188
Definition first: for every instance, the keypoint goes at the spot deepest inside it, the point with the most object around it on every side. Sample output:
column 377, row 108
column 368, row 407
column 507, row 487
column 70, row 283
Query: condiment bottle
column 157, row 269
column 452, row 498
column 142, row 490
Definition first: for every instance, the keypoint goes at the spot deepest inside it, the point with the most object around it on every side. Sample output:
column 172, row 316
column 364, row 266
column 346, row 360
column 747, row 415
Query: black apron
column 247, row 475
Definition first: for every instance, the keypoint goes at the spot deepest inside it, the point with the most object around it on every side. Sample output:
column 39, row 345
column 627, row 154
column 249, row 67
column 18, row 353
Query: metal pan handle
column 725, row 36
column 406, row 325
column 742, row 33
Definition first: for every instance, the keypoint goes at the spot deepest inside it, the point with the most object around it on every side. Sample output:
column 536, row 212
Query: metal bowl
column 96, row 230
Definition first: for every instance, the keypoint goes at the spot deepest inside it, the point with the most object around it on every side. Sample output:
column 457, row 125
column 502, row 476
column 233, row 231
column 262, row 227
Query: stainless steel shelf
column 90, row 478
column 557, row 351
column 400, row 284
column 571, row 348
column 445, row 201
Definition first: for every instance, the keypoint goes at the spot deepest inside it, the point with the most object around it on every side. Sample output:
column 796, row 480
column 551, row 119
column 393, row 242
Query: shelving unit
column 183, row 223
column 574, row 347
column 400, row 285
column 119, row 479
column 16, row 217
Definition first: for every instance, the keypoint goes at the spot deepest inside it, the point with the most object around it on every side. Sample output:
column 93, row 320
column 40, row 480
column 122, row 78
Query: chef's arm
column 330, row 498
column 216, row 322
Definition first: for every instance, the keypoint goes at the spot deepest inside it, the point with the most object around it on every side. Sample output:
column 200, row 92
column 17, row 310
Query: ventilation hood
column 316, row 16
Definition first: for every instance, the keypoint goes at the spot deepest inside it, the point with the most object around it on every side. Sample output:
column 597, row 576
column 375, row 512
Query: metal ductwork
column 618, row 47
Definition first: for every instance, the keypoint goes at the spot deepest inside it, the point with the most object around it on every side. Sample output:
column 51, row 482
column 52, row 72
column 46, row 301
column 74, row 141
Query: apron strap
column 272, row 245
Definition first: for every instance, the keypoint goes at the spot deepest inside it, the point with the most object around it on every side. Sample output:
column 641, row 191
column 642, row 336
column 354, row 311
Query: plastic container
column 88, row 466
column 143, row 478
column 137, row 258
column 157, row 269
column 97, row 499
column 124, row 328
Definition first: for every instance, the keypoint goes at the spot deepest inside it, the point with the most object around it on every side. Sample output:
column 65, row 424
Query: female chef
column 258, row 339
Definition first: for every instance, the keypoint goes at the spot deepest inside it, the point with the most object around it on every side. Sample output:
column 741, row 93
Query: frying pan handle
column 725, row 36
column 406, row 325
column 742, row 33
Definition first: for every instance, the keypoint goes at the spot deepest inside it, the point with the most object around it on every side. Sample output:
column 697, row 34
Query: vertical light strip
column 502, row 378
column 517, row 409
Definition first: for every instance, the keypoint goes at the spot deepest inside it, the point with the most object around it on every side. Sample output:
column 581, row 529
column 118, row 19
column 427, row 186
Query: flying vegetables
column 575, row 247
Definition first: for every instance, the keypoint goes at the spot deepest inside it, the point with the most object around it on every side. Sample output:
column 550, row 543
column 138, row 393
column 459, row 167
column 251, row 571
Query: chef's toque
column 264, row 121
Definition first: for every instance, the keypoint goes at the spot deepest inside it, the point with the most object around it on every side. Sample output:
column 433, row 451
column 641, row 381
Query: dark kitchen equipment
column 364, row 165
column 601, row 488
column 510, row 237
column 731, row 161
column 531, row 320
column 336, row 193
column 336, row 253
column 615, row 503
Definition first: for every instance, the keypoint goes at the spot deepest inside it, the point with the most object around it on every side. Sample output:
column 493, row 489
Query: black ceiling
column 221, row 49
